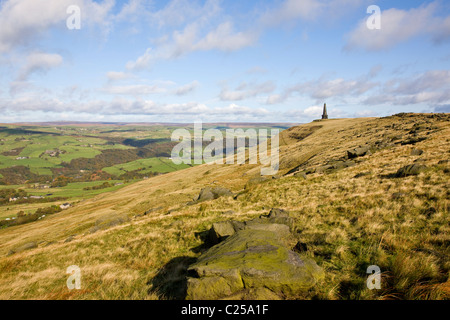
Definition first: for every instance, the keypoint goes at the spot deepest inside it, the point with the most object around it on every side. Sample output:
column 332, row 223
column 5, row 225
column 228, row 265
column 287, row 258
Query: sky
column 221, row 60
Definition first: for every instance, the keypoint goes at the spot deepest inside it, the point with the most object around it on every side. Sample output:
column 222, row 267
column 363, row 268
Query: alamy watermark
column 374, row 280
column 73, row 22
column 190, row 150
column 374, row 21
column 74, row 280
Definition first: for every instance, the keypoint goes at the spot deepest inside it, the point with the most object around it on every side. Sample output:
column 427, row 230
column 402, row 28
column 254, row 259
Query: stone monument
column 324, row 115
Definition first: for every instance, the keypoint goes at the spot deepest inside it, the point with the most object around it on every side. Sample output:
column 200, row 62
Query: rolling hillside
column 340, row 180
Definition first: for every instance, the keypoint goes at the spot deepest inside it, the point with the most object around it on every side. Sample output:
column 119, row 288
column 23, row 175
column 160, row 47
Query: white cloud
column 191, row 39
column 180, row 12
column 430, row 80
column 225, row 38
column 323, row 11
column 247, row 90
column 133, row 10
column 188, row 88
column 239, row 110
column 430, row 87
column 25, row 21
column 314, row 111
column 322, row 89
column 292, row 10
column 116, row 76
column 365, row 114
column 142, row 62
column 39, row 62
column 399, row 26
column 134, row 90
column 442, row 34
column 193, row 27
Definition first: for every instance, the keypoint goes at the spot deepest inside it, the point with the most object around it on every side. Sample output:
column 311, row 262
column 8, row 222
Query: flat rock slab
column 277, row 221
column 410, row 170
column 251, row 264
column 209, row 193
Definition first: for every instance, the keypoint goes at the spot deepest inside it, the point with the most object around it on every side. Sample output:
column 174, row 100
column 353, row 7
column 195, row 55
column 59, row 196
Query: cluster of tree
column 20, row 175
column 14, row 152
column 23, row 218
column 6, row 194
column 49, row 210
column 144, row 142
column 104, row 185
column 137, row 174
column 37, row 200
column 61, row 181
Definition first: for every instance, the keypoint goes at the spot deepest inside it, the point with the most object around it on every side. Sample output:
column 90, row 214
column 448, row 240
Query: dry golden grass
column 347, row 223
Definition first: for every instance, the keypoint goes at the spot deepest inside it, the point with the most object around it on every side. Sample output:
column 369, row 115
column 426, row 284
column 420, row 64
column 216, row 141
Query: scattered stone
column 209, row 193
column 358, row 152
column 255, row 181
column 410, row 170
column 322, row 169
column 416, row 152
column 246, row 263
column 341, row 164
column 171, row 211
column 222, row 230
column 24, row 247
column 300, row 175
column 229, row 212
column 108, row 222
column 396, row 137
column 277, row 220
column 152, row 210
column 205, row 195
column 361, row 174
column 279, row 216
column 412, row 140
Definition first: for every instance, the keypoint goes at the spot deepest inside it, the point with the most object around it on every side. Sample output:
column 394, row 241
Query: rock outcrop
column 252, row 261
column 108, row 222
column 24, row 247
column 358, row 152
column 209, row 193
column 252, row 264
column 410, row 170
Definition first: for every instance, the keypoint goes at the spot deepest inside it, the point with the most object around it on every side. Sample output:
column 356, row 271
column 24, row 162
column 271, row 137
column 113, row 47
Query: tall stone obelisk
column 324, row 115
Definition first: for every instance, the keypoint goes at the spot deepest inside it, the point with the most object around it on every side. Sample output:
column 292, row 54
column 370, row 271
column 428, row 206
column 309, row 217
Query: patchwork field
column 70, row 162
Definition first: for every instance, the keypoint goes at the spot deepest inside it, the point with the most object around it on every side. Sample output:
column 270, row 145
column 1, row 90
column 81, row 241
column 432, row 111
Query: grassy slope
column 347, row 223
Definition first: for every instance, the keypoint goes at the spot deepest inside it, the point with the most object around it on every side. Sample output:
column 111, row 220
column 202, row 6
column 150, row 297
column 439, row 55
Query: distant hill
column 83, row 124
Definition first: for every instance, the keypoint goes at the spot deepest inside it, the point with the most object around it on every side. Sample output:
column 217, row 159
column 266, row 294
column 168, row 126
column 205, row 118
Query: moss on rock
column 249, row 260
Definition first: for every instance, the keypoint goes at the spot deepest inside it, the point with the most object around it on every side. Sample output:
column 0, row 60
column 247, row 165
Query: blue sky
column 221, row 60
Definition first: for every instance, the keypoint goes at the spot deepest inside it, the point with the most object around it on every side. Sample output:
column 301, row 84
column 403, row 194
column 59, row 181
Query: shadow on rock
column 205, row 237
column 171, row 281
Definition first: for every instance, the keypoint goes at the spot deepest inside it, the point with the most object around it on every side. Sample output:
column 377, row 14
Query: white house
column 65, row 206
